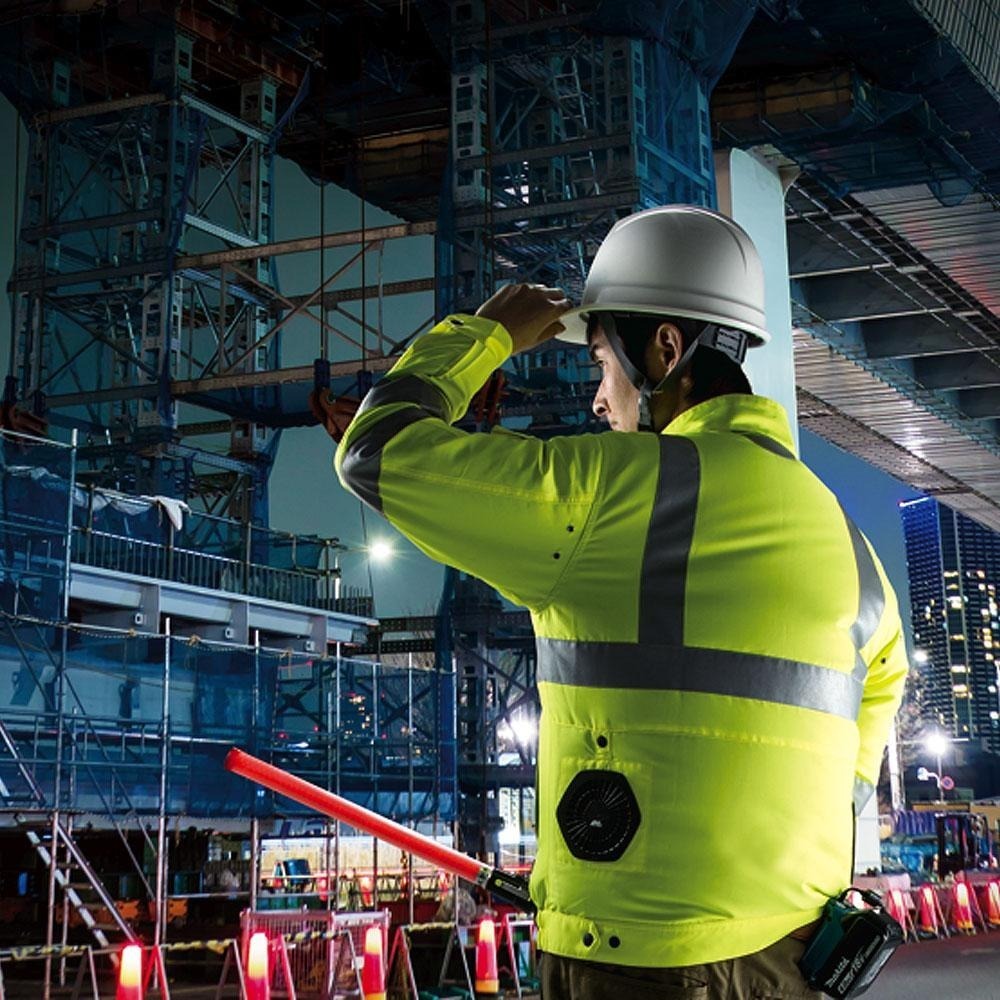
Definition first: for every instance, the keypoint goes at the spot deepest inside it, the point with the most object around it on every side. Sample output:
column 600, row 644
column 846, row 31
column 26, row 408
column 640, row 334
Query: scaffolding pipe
column 254, row 821
column 159, row 933
column 60, row 704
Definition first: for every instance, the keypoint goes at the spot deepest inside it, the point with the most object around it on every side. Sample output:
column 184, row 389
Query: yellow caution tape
column 218, row 945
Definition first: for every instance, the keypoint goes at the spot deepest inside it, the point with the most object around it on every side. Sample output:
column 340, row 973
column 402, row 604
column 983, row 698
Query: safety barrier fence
column 312, row 956
column 441, row 958
column 941, row 910
column 321, row 955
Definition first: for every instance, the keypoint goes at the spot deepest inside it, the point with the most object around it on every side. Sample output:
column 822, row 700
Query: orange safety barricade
column 961, row 908
column 930, row 920
column 897, row 905
column 991, row 901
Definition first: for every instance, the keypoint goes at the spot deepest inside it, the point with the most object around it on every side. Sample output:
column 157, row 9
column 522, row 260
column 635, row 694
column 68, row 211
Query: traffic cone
column 258, row 977
column 130, row 974
column 961, row 908
column 373, row 970
column 487, row 978
column 927, row 919
column 993, row 904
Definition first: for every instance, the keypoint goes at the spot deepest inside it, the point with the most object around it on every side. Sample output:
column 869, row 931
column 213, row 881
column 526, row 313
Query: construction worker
column 719, row 650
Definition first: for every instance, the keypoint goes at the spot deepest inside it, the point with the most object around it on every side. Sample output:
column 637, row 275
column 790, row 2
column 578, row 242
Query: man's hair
column 712, row 373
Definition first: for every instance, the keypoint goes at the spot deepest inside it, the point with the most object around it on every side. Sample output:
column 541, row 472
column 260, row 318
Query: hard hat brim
column 575, row 321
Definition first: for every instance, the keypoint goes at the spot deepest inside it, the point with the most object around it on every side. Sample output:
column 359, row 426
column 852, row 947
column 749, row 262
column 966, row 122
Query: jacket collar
column 737, row 413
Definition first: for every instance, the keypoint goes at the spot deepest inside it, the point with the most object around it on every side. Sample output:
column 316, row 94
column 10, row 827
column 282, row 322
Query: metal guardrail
column 312, row 588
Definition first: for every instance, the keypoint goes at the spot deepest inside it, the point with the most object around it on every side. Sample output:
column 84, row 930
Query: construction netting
column 35, row 479
column 365, row 728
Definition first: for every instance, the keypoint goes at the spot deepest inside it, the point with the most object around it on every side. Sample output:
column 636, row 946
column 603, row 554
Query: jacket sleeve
column 508, row 508
column 887, row 665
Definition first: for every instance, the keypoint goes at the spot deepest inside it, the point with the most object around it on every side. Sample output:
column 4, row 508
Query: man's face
column 616, row 400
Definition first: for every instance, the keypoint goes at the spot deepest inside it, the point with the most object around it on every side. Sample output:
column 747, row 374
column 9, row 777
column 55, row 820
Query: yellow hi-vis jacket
column 719, row 650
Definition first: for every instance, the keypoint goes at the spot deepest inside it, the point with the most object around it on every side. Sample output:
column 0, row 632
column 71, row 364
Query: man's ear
column 664, row 351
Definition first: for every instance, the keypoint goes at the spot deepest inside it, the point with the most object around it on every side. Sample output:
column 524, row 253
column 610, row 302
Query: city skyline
column 953, row 565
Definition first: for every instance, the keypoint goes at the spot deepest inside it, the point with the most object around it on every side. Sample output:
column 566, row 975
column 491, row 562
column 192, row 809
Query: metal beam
column 980, row 403
column 620, row 199
column 326, row 241
column 865, row 295
column 813, row 250
column 921, row 335
column 233, row 256
column 244, row 380
column 958, row 371
column 331, row 300
column 99, row 108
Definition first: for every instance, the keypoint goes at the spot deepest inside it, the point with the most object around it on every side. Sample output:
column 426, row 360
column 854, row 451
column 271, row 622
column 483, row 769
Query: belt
column 805, row 932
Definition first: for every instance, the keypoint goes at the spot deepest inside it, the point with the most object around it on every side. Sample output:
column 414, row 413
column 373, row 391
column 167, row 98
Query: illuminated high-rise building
column 954, row 571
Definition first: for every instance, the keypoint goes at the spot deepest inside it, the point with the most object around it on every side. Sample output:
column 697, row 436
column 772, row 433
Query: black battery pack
column 850, row 947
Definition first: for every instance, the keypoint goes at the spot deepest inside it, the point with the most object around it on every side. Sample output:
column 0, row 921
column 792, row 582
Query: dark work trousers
column 771, row 974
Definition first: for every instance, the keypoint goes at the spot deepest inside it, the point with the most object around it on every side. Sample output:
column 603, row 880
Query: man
column 719, row 651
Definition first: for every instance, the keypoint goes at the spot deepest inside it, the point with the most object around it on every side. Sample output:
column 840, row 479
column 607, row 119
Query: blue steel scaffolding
column 122, row 710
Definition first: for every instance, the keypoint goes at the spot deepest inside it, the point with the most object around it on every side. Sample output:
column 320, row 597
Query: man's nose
column 600, row 407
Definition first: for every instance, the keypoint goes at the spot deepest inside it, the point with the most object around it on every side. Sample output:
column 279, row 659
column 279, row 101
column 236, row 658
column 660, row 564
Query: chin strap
column 732, row 343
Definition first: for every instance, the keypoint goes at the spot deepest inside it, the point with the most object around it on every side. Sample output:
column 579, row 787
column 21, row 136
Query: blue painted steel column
column 752, row 192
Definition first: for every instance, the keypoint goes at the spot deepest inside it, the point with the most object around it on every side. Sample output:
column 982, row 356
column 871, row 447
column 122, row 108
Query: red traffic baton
column 510, row 888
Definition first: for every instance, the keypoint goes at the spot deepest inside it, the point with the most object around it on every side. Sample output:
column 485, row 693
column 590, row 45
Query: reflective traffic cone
column 258, row 978
column 487, row 978
column 373, row 970
column 961, row 907
column 927, row 918
column 993, row 904
column 130, row 974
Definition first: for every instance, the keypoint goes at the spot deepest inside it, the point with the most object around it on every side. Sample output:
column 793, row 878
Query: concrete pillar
column 752, row 192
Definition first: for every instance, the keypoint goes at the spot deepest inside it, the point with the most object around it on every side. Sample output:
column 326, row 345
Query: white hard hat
column 676, row 260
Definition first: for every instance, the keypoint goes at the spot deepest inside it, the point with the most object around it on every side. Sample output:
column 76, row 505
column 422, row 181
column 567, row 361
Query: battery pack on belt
column 850, row 946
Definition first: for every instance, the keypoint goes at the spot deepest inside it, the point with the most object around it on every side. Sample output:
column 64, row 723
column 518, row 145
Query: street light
column 936, row 743
column 381, row 550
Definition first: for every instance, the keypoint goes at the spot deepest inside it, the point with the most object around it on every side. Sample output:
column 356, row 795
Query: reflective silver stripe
column 769, row 444
column 660, row 667
column 863, row 791
column 408, row 389
column 668, row 543
column 871, row 598
column 362, row 461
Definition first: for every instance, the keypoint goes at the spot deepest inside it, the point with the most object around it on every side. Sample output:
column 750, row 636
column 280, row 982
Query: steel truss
column 109, row 311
